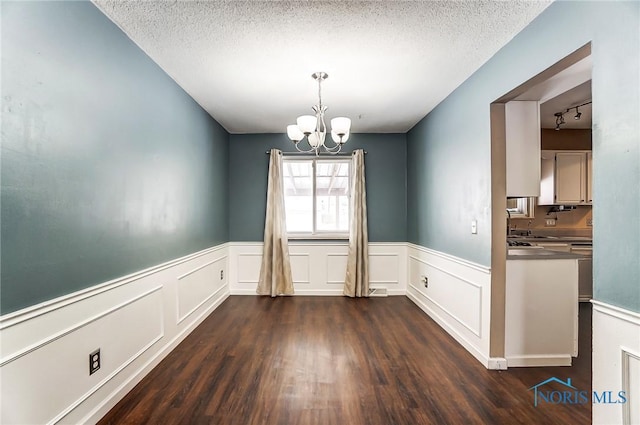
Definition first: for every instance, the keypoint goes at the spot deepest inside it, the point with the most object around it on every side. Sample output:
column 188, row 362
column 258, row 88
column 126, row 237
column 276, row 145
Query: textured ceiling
column 249, row 63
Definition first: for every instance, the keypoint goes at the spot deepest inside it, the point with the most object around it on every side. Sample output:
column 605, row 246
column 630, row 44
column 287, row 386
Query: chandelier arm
column 334, row 150
column 335, row 146
column 304, row 151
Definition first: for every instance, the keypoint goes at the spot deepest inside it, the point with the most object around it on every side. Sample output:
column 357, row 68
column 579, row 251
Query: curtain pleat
column 357, row 279
column 275, row 271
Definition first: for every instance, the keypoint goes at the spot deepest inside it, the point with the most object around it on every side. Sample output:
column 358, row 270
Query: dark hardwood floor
column 336, row 360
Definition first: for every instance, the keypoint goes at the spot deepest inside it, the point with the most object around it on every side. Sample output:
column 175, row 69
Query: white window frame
column 320, row 234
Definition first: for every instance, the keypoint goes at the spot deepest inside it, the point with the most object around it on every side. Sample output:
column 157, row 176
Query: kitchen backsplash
column 573, row 219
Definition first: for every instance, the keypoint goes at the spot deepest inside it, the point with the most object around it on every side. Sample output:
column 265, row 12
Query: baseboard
column 451, row 330
column 497, row 363
column 104, row 407
column 456, row 294
column 538, row 360
column 315, row 292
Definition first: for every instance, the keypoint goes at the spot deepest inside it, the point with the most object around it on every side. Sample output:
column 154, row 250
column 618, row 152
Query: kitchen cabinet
column 522, row 133
column 565, row 178
column 541, row 311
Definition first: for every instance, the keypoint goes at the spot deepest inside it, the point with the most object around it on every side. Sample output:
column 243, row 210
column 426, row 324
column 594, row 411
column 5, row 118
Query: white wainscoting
column 319, row 268
column 135, row 320
column 458, row 296
column 616, row 363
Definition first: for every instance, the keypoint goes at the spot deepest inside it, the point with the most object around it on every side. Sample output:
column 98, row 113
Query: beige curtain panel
column 275, row 272
column 357, row 280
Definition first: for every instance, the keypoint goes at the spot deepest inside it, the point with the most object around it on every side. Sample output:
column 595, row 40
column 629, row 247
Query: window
column 316, row 196
column 521, row 207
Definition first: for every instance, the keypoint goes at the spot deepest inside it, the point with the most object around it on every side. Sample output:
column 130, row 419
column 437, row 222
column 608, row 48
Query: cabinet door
column 589, row 177
column 570, row 171
column 522, row 132
column 547, row 178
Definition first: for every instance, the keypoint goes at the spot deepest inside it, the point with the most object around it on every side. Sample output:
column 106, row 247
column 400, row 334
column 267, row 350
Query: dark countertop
column 552, row 239
column 533, row 253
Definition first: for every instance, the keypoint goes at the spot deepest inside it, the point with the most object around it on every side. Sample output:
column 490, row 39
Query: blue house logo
column 545, row 395
column 571, row 395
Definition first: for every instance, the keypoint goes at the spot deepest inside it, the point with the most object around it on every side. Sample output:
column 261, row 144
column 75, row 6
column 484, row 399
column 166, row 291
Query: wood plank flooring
column 337, row 360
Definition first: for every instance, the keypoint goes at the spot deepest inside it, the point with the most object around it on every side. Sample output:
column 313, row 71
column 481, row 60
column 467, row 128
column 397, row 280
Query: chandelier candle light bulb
column 313, row 127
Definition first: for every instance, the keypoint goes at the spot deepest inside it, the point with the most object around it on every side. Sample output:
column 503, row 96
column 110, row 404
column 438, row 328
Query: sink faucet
column 508, row 222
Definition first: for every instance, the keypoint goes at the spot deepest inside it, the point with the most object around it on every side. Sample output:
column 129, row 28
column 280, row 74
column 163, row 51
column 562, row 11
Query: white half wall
column 457, row 296
column 135, row 321
column 616, row 363
column 319, row 268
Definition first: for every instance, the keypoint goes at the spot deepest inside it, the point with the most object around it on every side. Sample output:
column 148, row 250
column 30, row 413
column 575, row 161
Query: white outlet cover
column 474, row 227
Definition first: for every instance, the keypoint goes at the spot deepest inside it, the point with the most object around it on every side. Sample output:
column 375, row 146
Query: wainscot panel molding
column 319, row 268
column 456, row 294
column 135, row 321
column 616, row 363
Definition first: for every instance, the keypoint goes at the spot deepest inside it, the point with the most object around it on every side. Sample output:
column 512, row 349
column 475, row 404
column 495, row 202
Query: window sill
column 328, row 236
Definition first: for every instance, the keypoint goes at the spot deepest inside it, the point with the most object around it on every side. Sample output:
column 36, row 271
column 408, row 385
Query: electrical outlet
column 94, row 362
column 550, row 222
column 221, row 274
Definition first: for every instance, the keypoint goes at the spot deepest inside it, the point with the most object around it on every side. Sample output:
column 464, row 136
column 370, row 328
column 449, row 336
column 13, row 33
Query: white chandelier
column 314, row 128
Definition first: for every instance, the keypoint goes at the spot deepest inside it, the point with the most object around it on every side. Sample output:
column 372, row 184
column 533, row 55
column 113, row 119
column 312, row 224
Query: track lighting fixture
column 560, row 115
column 559, row 119
column 577, row 115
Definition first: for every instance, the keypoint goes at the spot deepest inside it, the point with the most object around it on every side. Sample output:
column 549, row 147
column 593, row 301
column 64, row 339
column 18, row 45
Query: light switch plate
column 550, row 222
column 474, row 227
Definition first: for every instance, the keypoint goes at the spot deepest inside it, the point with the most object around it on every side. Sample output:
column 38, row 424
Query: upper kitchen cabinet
column 522, row 126
column 565, row 178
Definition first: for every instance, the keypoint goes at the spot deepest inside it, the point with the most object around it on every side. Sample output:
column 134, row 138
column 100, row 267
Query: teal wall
column 385, row 168
column 448, row 167
column 108, row 167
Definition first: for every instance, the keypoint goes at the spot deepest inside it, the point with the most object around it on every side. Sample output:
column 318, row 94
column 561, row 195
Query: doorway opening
column 555, row 90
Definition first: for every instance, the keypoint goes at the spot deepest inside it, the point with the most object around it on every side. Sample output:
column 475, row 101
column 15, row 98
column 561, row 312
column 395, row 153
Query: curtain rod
column 320, row 154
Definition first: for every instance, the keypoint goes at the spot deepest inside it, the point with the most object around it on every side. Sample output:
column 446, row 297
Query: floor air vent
column 377, row 292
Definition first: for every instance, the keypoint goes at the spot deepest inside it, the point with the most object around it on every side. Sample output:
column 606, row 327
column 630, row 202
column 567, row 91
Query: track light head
column 559, row 119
